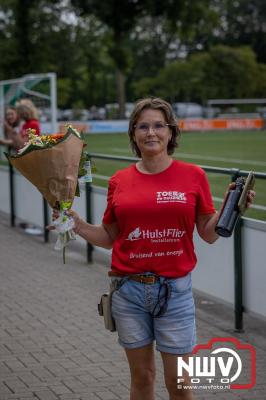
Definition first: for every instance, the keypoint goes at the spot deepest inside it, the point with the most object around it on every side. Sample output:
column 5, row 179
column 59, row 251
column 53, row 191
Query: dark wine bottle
column 230, row 211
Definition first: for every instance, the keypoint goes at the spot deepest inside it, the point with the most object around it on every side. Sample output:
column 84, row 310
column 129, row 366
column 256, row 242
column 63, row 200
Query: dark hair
column 10, row 107
column 154, row 104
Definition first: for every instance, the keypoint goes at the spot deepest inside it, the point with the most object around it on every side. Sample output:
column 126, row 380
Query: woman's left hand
column 250, row 198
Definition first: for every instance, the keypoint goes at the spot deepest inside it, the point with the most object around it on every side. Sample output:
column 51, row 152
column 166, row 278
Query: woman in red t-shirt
column 152, row 209
column 29, row 115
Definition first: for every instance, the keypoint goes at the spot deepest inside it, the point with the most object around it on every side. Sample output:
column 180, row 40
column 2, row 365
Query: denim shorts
column 173, row 330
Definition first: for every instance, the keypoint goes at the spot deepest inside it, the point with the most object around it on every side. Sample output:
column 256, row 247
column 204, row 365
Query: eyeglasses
column 157, row 127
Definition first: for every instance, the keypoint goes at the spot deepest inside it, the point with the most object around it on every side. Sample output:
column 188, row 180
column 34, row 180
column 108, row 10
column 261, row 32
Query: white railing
column 214, row 273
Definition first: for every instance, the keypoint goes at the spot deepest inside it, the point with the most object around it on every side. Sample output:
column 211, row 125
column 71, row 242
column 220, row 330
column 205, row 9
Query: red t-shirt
column 30, row 124
column 156, row 215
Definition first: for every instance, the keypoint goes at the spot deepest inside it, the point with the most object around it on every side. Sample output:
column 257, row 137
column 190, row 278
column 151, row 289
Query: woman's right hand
column 70, row 213
column 77, row 220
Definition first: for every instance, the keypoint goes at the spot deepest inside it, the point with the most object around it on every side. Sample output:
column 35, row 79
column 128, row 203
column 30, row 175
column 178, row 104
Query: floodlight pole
column 53, row 97
column 2, row 110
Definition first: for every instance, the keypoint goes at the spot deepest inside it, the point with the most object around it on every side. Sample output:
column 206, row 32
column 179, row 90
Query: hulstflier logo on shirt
column 156, row 235
column 171, row 196
column 134, row 235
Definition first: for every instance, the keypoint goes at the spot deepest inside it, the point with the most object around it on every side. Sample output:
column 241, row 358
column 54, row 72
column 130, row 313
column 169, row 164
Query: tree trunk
column 121, row 92
column 22, row 31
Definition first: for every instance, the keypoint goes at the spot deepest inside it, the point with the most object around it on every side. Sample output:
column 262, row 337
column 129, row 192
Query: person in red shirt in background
column 28, row 113
column 152, row 209
column 24, row 116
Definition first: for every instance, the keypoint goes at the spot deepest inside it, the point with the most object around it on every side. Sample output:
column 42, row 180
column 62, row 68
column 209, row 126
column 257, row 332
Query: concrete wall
column 214, row 273
column 254, row 266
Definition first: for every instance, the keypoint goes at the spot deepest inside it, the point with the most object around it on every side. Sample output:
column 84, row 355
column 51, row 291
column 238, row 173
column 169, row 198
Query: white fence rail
column 214, row 274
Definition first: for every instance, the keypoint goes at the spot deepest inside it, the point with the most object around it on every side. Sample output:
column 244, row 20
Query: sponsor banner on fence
column 121, row 126
column 222, row 124
column 108, row 126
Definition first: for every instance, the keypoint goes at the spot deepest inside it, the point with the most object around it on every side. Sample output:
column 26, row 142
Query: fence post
column 238, row 270
column 45, row 221
column 12, row 195
column 89, row 218
column 238, row 276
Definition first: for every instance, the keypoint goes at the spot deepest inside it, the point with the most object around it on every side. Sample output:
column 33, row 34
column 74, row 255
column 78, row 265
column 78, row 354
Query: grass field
column 242, row 150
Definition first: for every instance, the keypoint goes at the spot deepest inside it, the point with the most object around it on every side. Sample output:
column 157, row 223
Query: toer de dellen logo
column 172, row 196
column 222, row 363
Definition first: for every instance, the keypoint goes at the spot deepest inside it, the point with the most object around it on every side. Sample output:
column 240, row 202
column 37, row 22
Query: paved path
column 52, row 343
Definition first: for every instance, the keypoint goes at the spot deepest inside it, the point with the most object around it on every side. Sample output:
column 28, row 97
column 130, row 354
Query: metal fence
column 237, row 235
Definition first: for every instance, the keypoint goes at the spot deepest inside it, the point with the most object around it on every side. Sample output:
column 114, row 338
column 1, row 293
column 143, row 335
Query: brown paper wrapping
column 54, row 171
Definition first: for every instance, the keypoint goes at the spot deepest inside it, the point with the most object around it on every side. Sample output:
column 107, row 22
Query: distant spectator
column 11, row 126
column 17, row 122
column 29, row 115
column 30, row 104
column 12, row 120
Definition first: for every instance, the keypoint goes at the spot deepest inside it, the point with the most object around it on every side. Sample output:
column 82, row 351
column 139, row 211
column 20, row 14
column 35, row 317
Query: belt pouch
column 105, row 308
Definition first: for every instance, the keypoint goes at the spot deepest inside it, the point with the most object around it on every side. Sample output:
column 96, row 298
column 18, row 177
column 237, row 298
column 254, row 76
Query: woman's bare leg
column 170, row 376
column 142, row 369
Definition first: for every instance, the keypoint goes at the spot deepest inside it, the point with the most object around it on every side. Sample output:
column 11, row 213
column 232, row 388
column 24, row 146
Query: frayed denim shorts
column 163, row 311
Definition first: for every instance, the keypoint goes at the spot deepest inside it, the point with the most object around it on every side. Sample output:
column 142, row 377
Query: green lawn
column 242, row 150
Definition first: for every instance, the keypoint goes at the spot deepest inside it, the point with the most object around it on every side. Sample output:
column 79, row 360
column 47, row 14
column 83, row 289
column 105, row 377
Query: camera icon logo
column 222, row 363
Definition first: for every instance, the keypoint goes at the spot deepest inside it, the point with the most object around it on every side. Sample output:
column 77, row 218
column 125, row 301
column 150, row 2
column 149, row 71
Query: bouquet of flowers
column 53, row 164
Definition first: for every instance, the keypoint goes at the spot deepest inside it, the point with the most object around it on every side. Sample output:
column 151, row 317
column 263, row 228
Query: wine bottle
column 230, row 212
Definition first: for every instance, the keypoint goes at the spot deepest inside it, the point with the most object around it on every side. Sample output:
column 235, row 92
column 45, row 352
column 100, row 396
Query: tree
column 223, row 72
column 231, row 72
column 33, row 33
column 178, row 17
column 120, row 16
column 164, row 48
column 7, row 39
column 241, row 22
